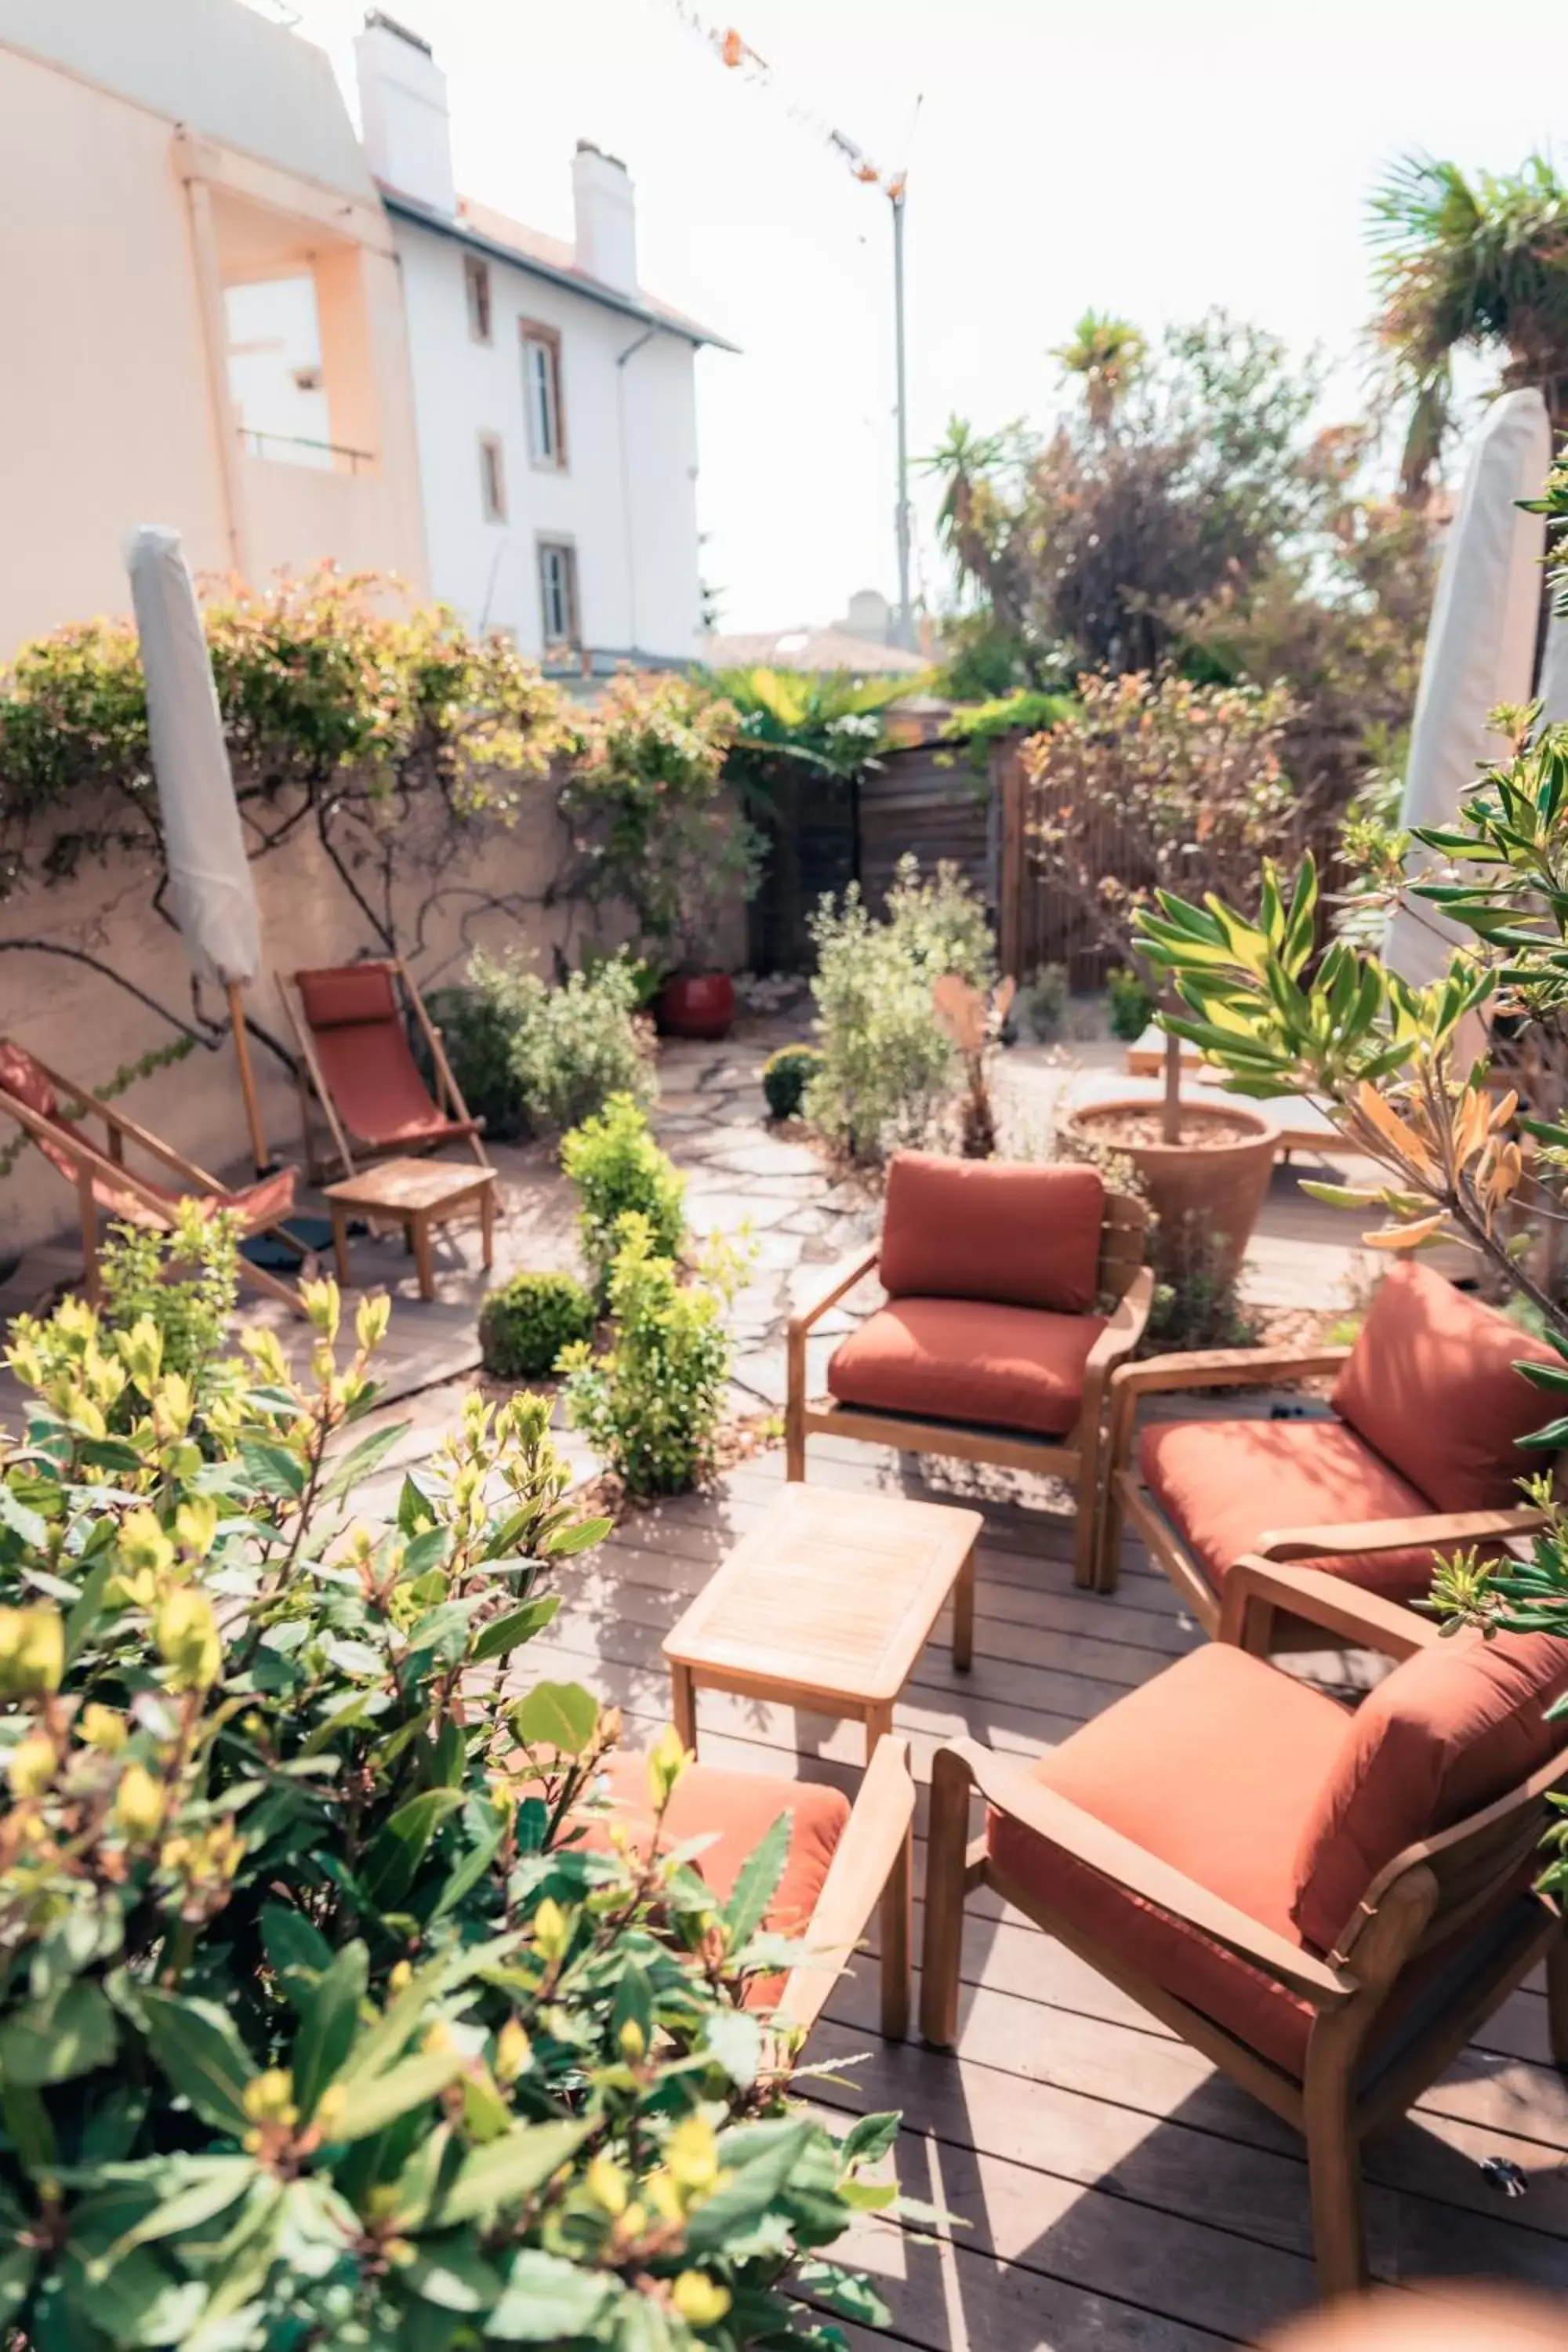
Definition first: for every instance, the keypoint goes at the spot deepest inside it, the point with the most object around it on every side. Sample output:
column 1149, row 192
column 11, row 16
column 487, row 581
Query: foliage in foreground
column 887, row 1063
column 316, row 2026
column 618, row 1167
column 530, row 1058
column 526, row 1322
column 653, row 1403
column 1394, row 1065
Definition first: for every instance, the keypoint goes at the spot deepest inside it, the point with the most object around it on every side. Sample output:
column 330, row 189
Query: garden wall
column 87, row 998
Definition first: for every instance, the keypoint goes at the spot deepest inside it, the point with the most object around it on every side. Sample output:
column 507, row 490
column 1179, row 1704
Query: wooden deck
column 1117, row 2192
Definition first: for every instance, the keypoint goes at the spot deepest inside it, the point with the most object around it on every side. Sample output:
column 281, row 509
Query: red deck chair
column 34, row 1096
column 355, row 1059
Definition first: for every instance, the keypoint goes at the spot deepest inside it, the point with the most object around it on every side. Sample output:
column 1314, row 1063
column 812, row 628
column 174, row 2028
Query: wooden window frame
column 479, row 299
column 534, row 332
column 572, row 642
column 492, row 462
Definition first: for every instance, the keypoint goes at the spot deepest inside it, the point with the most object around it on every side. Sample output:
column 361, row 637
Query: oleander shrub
column 531, row 1059
column 889, row 1067
column 317, row 2026
column 526, row 1322
column 653, row 1403
column 786, row 1076
column 618, row 1167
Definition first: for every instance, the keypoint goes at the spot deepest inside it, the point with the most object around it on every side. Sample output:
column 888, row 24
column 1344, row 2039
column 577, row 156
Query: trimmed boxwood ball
column 786, row 1075
column 524, row 1324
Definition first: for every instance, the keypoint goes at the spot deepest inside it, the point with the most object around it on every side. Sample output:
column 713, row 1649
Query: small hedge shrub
column 529, row 1058
column 525, row 1324
column 1131, row 1004
column 786, row 1075
column 616, row 1165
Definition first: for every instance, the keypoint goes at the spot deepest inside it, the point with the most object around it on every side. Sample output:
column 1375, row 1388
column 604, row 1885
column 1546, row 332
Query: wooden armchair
column 1326, row 1905
column 1420, row 1456
column 846, row 1860
column 1014, row 1291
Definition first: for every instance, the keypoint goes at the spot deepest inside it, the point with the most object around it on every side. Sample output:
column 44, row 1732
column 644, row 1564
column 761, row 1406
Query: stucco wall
column 82, row 1023
column 103, row 409
column 637, row 567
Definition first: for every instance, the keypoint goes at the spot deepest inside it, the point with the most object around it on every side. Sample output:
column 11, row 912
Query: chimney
column 403, row 110
column 606, row 218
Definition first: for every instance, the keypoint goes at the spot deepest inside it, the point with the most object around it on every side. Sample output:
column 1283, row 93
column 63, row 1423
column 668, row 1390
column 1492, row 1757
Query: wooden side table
column 417, row 1194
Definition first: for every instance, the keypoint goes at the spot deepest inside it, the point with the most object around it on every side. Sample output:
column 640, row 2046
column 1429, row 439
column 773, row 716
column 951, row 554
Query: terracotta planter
column 696, row 1004
column 1224, row 1184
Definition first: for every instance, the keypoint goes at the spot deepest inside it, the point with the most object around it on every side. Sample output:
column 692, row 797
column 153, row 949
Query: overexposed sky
column 1150, row 157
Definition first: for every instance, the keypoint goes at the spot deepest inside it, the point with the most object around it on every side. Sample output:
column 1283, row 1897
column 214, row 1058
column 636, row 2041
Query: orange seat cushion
column 1225, row 1484
column 1452, row 1729
column 1215, row 1766
column 1017, row 1234
column 736, row 1809
column 961, row 1360
column 1431, row 1385
column 366, row 1061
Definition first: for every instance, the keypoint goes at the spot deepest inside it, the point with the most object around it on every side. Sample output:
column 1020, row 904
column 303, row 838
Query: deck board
column 1120, row 2194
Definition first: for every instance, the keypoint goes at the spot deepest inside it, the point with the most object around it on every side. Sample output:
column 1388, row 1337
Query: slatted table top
column 834, row 1593
column 393, row 1186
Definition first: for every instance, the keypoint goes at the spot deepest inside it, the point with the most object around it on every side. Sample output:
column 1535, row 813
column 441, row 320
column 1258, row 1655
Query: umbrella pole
column 258, row 1151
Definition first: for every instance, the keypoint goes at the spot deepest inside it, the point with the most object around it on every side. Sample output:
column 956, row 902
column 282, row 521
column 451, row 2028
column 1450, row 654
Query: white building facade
column 555, row 401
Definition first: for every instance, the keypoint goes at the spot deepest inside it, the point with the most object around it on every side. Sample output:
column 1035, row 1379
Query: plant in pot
column 659, row 839
column 1149, row 784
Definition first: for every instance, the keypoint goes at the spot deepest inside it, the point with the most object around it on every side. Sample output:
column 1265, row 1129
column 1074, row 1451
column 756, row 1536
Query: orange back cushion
column 1431, row 1385
column 1014, row 1234
column 1450, row 1730
column 334, row 1000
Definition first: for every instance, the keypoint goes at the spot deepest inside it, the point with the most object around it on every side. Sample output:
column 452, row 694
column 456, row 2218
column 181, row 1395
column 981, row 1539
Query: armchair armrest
column 1394, row 1535
column 1257, row 1589
column 1124, row 1327
column 874, row 1836
column 1100, row 1848
column 1216, row 1368
column 843, row 1278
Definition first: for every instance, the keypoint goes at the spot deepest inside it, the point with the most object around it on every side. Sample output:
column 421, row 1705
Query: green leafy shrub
column 316, row 2026
column 1131, row 1004
column 530, row 1058
column 525, row 1323
column 1042, row 1001
column 888, row 1065
column 184, row 1284
column 652, row 1404
column 616, row 1165
column 786, row 1075
column 1197, row 1306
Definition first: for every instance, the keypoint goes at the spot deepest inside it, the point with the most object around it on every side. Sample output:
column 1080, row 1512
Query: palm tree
column 1110, row 354
column 1469, row 264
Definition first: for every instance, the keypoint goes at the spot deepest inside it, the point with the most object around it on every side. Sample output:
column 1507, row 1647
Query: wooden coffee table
column 827, row 1605
column 417, row 1194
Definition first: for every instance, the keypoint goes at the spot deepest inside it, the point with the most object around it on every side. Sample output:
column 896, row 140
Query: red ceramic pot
column 696, row 1004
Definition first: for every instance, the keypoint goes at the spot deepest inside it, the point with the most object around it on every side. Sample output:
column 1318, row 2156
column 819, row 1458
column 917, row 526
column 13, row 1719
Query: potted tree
column 658, row 840
column 1153, row 783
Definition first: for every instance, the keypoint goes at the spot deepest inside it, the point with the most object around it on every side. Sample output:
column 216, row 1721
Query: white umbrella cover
column 210, row 888
column 1480, row 650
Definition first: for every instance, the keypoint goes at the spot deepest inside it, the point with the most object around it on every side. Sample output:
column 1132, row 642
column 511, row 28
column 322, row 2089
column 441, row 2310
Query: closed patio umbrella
column 1480, row 650
column 209, row 875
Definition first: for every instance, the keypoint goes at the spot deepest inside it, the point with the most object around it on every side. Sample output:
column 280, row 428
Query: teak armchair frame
column 107, row 1168
column 1421, row 1899
column 1127, row 1498
column 309, row 1079
column 872, row 1866
column 1076, row 1458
